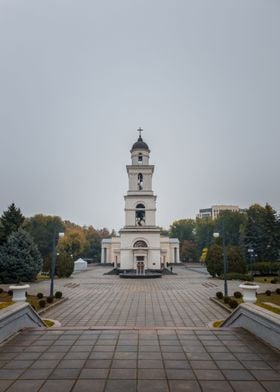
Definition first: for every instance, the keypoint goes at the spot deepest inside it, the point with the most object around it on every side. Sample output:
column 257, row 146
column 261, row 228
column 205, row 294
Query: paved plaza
column 137, row 335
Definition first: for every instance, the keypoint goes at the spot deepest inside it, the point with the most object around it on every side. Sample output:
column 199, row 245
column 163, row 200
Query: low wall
column 259, row 321
column 16, row 317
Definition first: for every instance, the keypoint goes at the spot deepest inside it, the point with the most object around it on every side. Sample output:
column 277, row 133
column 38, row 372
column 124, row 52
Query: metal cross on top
column 140, row 130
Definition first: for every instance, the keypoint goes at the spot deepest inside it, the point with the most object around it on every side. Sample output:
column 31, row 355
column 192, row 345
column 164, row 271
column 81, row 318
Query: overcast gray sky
column 77, row 78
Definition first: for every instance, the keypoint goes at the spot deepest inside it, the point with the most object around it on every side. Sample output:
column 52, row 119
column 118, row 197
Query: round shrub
column 1, row 290
column 237, row 294
column 40, row 295
column 264, row 279
column 49, row 300
column 226, row 300
column 42, row 303
column 233, row 303
column 219, row 295
column 58, row 294
column 268, row 292
column 277, row 291
column 274, row 280
column 10, row 292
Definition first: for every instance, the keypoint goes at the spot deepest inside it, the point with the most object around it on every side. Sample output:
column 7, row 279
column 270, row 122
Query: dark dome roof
column 140, row 145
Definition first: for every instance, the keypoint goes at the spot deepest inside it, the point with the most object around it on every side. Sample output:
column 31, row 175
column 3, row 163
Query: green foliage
column 189, row 251
column 233, row 303
column 268, row 293
column 49, row 300
column 20, row 259
column 237, row 294
column 64, row 265
column 204, row 229
column 1, row 290
column 236, row 276
column 274, row 280
column 42, row 228
column 40, row 295
column 226, row 299
column 265, row 267
column 58, row 294
column 236, row 261
column 11, row 220
column 230, row 222
column 219, row 295
column 214, row 260
column 262, row 232
column 182, row 229
column 277, row 291
column 42, row 303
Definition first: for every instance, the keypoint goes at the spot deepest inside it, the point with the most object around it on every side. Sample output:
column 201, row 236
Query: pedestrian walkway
column 121, row 335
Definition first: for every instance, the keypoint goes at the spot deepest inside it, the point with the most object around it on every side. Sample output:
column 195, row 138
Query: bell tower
column 140, row 237
column 140, row 201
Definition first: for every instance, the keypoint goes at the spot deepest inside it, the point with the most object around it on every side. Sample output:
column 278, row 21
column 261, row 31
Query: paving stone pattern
column 127, row 335
column 98, row 300
column 138, row 360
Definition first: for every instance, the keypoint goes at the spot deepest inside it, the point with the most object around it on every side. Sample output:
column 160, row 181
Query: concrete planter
column 249, row 292
column 19, row 292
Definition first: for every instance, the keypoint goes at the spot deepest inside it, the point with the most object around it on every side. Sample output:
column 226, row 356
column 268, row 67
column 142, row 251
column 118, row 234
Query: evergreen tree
column 214, row 260
column 262, row 232
column 20, row 259
column 11, row 220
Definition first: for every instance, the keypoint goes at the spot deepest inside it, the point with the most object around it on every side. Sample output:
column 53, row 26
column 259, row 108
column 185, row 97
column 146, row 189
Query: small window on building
column 140, row 157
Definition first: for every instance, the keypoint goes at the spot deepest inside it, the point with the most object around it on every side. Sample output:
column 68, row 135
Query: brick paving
column 127, row 335
column 145, row 360
column 98, row 300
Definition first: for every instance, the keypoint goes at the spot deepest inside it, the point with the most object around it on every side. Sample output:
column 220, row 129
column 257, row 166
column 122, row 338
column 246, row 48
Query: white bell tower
column 140, row 237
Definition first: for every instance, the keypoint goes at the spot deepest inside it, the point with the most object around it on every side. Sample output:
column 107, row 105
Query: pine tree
column 11, row 220
column 20, row 259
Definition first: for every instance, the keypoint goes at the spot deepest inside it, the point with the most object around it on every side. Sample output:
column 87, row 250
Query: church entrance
column 140, row 265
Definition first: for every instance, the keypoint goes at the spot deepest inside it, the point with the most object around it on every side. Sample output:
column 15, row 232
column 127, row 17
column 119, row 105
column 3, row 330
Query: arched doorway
column 140, row 256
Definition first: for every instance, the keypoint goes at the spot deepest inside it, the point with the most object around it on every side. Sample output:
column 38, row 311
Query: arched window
column 140, row 215
column 140, row 181
column 140, row 244
column 140, row 158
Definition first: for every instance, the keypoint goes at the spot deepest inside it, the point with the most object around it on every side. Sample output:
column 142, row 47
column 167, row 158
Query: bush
column 58, row 294
column 233, row 304
column 1, row 290
column 226, row 300
column 277, row 291
column 64, row 265
column 40, row 295
column 49, row 300
column 10, row 292
column 265, row 267
column 42, row 303
column 268, row 292
column 274, row 280
column 236, row 276
column 237, row 294
column 219, row 295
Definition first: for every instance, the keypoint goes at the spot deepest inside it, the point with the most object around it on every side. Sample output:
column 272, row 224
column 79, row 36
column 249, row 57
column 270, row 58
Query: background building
column 214, row 211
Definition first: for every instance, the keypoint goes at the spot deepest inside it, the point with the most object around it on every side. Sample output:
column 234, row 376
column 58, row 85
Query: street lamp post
column 251, row 253
column 216, row 235
column 54, row 260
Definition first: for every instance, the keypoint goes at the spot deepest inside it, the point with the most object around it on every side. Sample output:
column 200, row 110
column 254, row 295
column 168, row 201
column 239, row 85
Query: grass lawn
column 261, row 299
column 6, row 300
column 266, row 279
